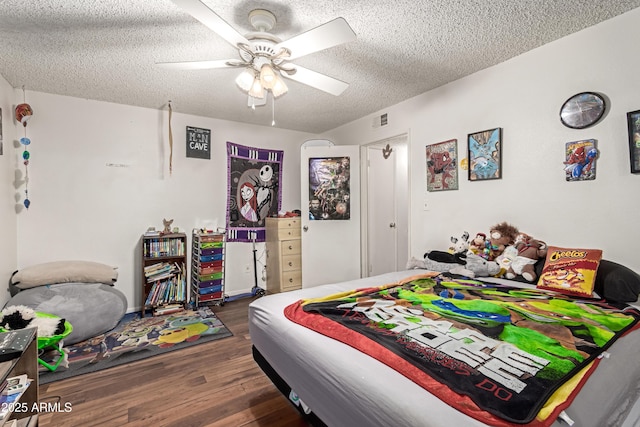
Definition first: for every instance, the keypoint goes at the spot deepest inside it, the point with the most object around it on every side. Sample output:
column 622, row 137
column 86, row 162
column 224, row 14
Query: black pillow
column 615, row 282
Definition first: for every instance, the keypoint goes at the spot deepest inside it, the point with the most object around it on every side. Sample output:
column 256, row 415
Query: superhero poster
column 485, row 155
column 442, row 166
column 329, row 188
column 580, row 160
column 254, row 192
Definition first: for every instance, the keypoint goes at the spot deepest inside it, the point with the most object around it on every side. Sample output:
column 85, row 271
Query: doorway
column 385, row 220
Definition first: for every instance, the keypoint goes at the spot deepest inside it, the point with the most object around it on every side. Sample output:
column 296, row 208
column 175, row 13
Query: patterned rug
column 135, row 338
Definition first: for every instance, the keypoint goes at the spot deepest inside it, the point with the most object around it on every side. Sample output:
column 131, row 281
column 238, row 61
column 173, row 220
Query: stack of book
column 168, row 283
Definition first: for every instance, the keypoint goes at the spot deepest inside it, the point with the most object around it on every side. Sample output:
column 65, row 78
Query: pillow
column 64, row 272
column 615, row 282
column 570, row 271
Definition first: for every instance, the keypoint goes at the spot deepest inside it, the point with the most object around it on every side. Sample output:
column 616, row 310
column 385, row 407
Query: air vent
column 381, row 120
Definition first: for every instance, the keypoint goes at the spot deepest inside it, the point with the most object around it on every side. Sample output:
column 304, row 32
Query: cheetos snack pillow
column 570, row 271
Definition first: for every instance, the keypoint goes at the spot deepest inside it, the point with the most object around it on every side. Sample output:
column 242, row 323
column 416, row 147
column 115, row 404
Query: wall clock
column 582, row 110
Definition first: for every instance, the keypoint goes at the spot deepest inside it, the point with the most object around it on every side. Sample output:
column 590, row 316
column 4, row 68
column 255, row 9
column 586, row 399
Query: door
column 330, row 207
column 387, row 214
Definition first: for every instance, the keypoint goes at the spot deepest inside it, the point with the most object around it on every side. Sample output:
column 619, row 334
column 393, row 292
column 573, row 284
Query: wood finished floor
column 212, row 384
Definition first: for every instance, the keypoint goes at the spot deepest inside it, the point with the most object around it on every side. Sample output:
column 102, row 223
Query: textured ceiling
column 106, row 50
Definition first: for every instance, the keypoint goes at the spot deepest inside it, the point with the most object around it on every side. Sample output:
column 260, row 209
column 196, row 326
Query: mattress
column 344, row 387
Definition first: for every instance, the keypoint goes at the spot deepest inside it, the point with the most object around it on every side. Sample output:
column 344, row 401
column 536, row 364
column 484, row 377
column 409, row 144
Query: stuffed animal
column 460, row 245
column 530, row 251
column 500, row 236
column 477, row 244
column 20, row 317
column 473, row 266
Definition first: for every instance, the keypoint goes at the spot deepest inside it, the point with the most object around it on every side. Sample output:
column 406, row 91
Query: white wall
column 99, row 176
column 9, row 159
column 523, row 96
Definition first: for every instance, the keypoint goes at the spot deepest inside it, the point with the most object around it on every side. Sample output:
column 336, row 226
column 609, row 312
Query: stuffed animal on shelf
column 500, row 236
column 20, row 317
column 167, row 225
column 530, row 250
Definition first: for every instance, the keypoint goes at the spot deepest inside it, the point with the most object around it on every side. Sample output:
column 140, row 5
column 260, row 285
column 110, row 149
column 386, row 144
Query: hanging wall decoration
column 484, row 151
column 170, row 141
column 580, row 160
column 442, row 168
column 23, row 114
column 329, row 188
column 254, row 192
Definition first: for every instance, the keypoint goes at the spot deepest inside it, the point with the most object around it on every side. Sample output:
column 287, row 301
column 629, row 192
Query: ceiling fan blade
column 319, row 38
column 208, row 17
column 317, row 80
column 195, row 65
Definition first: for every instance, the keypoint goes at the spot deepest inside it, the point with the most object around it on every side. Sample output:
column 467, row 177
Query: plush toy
column 505, row 259
column 20, row 317
column 477, row 244
column 460, row 245
column 530, row 251
column 500, row 236
column 470, row 265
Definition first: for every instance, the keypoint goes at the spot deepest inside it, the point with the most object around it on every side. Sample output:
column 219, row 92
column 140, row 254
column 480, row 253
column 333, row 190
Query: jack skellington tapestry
column 254, row 177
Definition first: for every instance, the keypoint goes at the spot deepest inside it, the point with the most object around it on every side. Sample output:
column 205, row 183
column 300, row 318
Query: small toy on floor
column 20, row 317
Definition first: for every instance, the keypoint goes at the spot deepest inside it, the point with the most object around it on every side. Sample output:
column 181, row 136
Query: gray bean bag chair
column 91, row 308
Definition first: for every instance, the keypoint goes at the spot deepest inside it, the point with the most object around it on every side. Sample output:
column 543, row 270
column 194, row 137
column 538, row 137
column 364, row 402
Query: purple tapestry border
column 251, row 155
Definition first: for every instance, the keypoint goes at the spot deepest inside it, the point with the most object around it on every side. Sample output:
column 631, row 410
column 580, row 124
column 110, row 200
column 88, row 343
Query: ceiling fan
column 264, row 56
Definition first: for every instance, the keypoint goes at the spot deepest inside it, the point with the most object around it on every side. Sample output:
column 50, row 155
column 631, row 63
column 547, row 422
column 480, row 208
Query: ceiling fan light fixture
column 246, row 79
column 256, row 91
column 267, row 76
column 279, row 88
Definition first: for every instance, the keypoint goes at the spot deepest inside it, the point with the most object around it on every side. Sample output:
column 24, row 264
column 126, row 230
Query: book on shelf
column 12, row 392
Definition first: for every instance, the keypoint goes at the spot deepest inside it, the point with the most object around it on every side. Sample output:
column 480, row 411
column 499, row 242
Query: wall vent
column 381, row 120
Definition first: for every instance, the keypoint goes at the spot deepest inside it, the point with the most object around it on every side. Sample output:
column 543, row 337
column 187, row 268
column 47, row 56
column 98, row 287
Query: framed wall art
column 633, row 121
column 442, row 166
column 580, row 160
column 485, row 154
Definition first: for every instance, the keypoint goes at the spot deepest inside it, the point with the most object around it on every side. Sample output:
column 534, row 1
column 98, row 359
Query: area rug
column 136, row 338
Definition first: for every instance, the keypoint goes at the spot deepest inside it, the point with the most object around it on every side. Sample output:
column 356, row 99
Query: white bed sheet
column 345, row 387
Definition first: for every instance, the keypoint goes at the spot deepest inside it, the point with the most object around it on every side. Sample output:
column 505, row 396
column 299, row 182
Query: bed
column 338, row 385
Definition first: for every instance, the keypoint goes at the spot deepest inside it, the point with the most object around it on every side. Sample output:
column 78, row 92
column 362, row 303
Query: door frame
column 364, row 196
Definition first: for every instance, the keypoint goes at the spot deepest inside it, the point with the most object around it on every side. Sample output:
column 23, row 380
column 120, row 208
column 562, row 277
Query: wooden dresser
column 284, row 254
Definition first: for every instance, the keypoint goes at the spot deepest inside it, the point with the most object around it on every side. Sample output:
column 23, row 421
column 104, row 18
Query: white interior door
column 381, row 224
column 386, row 243
column 330, row 206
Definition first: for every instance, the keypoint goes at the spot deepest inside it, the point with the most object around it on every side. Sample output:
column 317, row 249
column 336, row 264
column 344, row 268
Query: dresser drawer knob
column 290, row 264
column 290, row 247
column 290, row 280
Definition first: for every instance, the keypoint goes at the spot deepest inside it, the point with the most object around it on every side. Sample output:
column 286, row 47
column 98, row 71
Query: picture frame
column 484, row 155
column 633, row 124
column 442, row 165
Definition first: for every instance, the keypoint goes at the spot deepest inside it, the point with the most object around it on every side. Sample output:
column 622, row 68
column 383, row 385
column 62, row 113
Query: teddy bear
column 530, row 250
column 500, row 236
column 20, row 317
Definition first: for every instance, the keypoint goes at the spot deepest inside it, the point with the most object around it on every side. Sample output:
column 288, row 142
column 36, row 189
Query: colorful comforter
column 503, row 355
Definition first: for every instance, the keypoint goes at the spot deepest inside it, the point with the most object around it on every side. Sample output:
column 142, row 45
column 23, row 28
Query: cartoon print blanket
column 506, row 355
